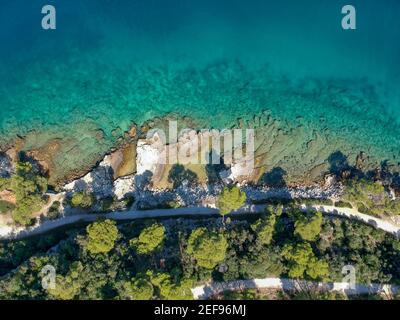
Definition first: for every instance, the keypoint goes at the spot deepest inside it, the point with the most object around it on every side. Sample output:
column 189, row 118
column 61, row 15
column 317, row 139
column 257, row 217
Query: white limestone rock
column 150, row 154
column 124, row 186
column 98, row 182
column 240, row 171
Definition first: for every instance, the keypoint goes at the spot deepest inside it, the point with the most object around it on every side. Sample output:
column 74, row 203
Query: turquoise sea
column 287, row 64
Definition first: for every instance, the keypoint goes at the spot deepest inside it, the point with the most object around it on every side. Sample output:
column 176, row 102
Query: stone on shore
column 5, row 165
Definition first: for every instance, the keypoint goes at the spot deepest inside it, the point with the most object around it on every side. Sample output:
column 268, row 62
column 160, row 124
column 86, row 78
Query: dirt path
column 209, row 290
column 9, row 233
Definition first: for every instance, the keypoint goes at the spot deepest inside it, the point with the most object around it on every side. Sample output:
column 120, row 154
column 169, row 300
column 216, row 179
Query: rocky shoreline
column 301, row 155
column 133, row 170
column 134, row 176
column 145, row 185
column 148, row 198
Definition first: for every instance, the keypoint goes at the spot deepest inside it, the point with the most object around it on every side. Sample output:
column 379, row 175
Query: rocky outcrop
column 5, row 165
column 123, row 161
column 127, row 166
column 114, row 174
column 151, row 154
column 98, row 182
column 66, row 157
column 193, row 148
column 124, row 186
column 44, row 156
column 139, row 166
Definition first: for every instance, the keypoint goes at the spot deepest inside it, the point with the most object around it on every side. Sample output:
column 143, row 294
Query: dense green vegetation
column 308, row 226
column 54, row 210
column 137, row 288
column 343, row 204
column 231, row 198
column 150, row 239
column 6, row 207
column 294, row 201
column 171, row 204
column 265, row 227
column 13, row 253
column 163, row 260
column 28, row 186
column 101, row 236
column 303, row 263
column 82, row 199
column 370, row 197
column 208, row 248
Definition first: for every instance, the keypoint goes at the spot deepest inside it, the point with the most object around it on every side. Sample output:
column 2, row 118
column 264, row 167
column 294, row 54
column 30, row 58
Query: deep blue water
column 110, row 62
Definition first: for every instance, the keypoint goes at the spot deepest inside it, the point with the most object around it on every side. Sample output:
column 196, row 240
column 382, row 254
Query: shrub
column 54, row 210
column 82, row 199
column 136, row 289
column 367, row 192
column 107, row 204
column 230, row 199
column 26, row 206
column 302, row 262
column 4, row 183
column 28, row 187
column 343, row 204
column 308, row 228
column 27, row 181
column 207, row 247
column 114, row 204
column 266, row 263
column 128, row 201
column 308, row 201
column 168, row 290
column 101, row 236
column 68, row 287
column 275, row 201
column 150, row 239
column 362, row 208
column 394, row 206
column 6, row 207
column 249, row 294
column 173, row 204
column 144, row 205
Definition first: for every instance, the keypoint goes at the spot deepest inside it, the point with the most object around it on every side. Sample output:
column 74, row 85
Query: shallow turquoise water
column 113, row 62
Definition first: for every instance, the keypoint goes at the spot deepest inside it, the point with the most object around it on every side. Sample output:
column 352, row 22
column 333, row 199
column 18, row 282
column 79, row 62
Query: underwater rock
column 361, row 161
column 132, row 132
column 100, row 134
column 116, row 132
